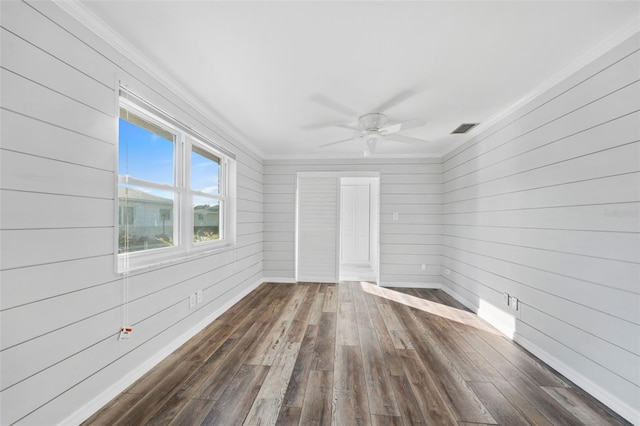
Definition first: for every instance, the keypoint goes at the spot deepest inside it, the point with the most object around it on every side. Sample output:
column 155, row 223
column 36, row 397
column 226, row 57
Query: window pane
column 205, row 171
column 145, row 150
column 146, row 218
column 206, row 219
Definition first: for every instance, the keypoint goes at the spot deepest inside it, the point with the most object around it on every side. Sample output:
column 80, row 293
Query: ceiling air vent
column 464, row 128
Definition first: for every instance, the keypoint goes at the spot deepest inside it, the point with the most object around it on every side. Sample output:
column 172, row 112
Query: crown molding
column 618, row 37
column 350, row 156
column 78, row 11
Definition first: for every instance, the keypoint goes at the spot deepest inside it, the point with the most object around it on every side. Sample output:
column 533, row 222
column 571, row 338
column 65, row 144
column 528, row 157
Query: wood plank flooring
column 351, row 354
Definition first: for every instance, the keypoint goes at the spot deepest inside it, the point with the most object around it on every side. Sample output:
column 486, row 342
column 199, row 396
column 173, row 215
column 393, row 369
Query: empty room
column 319, row 213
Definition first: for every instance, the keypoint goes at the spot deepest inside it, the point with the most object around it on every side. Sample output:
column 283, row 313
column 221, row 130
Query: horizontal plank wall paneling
column 62, row 304
column 545, row 206
column 317, row 226
column 409, row 187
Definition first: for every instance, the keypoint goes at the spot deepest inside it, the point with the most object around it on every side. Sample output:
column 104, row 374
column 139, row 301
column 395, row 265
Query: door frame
column 338, row 175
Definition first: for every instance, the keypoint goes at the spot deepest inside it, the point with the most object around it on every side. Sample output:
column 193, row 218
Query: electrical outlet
column 396, row 216
column 514, row 303
column 199, row 296
column 424, row 266
column 505, row 297
column 192, row 300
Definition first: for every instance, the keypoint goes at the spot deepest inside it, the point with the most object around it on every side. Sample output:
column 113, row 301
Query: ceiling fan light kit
column 370, row 145
column 373, row 121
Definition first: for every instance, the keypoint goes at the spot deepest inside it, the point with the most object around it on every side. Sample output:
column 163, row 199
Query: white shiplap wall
column 545, row 206
column 61, row 302
column 317, row 225
column 410, row 187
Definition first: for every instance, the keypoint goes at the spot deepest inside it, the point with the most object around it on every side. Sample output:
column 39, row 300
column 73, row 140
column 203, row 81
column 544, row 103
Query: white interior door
column 355, row 230
column 317, row 229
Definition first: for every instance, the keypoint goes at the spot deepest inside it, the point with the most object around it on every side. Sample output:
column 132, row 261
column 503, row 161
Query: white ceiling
column 271, row 68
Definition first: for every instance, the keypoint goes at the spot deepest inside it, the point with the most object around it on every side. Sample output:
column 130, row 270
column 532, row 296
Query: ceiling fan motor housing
column 373, row 122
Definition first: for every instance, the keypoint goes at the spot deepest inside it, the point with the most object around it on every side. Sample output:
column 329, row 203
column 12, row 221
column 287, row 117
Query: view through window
column 167, row 199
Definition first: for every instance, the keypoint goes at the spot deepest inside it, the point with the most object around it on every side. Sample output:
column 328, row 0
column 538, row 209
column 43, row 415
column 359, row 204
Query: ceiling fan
column 371, row 127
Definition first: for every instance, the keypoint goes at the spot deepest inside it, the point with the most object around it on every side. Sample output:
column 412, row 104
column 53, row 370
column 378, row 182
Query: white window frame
column 183, row 223
column 222, row 197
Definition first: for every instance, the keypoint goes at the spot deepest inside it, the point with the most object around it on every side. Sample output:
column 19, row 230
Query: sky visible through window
column 205, row 174
column 146, row 155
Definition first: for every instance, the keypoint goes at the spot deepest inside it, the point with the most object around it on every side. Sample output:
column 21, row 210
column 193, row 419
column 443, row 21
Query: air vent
column 464, row 128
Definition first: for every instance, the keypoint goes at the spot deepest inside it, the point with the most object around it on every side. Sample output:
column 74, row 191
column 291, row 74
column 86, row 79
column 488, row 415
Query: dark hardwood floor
column 351, row 354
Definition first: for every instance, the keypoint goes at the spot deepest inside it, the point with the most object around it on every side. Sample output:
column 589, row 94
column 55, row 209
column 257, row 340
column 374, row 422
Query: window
column 205, row 186
column 126, row 215
column 173, row 190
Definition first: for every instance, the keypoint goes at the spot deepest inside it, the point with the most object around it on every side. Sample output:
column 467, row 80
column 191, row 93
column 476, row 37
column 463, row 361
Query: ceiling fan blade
column 412, row 124
column 327, row 125
column 395, row 100
column 348, row 126
column 394, row 128
column 331, row 104
column 405, row 125
column 341, row 141
column 405, row 139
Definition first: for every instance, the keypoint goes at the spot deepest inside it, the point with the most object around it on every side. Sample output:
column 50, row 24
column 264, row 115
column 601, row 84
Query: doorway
column 337, row 226
column 358, row 229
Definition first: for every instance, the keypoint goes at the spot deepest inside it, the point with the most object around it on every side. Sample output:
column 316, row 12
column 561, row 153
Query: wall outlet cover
column 513, row 303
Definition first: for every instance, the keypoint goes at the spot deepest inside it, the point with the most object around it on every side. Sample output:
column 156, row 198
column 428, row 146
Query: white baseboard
column 277, row 280
column 86, row 411
column 460, row 299
column 409, row 285
column 505, row 323
column 628, row 412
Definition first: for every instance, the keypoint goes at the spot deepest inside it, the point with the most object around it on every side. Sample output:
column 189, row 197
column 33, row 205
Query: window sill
column 156, row 259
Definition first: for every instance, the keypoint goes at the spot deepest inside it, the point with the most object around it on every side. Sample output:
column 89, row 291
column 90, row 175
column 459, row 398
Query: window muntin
column 169, row 202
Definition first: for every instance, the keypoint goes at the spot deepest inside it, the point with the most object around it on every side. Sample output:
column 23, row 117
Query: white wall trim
column 319, row 280
column 279, row 280
column 349, row 156
column 397, row 284
column 501, row 320
column 460, row 299
column 504, row 326
column 340, row 174
column 78, row 11
column 84, row 412
column 630, row 413
column 597, row 51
